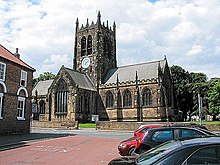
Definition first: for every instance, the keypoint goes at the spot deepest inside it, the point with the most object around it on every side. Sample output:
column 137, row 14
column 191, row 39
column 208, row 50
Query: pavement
column 13, row 141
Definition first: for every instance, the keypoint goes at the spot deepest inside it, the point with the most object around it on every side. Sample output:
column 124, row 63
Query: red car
column 154, row 137
column 128, row 146
column 143, row 128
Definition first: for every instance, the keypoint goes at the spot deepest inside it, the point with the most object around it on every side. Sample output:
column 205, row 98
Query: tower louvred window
column 83, row 46
column 89, row 45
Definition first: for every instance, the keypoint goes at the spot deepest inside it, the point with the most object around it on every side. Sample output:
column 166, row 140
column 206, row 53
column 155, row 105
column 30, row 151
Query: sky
column 186, row 31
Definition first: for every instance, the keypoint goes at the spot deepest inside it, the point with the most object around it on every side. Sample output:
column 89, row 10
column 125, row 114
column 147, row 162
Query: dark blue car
column 201, row 150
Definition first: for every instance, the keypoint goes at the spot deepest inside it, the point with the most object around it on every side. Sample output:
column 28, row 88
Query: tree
column 214, row 100
column 199, row 85
column 44, row 76
column 188, row 86
column 181, row 79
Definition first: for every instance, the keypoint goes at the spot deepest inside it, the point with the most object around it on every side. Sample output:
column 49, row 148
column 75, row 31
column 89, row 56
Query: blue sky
column 187, row 32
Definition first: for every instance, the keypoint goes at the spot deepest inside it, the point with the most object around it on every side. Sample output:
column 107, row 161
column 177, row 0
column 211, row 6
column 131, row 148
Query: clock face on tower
column 85, row 62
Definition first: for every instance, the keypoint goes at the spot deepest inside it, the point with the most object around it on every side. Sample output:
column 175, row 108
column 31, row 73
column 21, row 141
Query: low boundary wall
column 50, row 124
column 108, row 125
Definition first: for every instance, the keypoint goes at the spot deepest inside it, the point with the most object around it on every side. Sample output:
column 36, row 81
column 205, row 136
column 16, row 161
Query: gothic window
column 109, row 100
column 86, row 103
column 89, row 45
column 83, row 46
column 147, row 97
column 61, row 98
column 42, row 107
column 127, row 100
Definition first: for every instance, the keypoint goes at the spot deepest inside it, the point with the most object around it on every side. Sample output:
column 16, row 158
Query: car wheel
column 131, row 151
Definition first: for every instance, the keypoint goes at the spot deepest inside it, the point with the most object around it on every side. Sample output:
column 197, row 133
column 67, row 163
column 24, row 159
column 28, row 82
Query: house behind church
column 97, row 86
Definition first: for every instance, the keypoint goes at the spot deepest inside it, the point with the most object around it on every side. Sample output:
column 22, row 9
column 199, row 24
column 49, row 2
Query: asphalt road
column 61, row 147
column 119, row 134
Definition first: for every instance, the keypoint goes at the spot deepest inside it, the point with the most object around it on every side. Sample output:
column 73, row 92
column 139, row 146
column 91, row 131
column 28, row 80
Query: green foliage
column 214, row 99
column 44, row 76
column 181, row 79
column 188, row 86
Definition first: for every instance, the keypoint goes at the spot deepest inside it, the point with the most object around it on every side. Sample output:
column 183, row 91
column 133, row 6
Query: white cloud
column 54, row 62
column 196, row 49
column 186, row 31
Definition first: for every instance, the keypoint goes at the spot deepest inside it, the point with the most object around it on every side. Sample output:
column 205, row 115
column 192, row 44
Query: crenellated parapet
column 130, row 83
column 102, row 25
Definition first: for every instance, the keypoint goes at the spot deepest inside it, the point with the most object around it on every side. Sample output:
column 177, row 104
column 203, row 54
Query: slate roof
column 82, row 80
column 128, row 73
column 42, row 87
column 5, row 53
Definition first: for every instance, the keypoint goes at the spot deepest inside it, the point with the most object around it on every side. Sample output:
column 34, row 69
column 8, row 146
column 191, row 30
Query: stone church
column 97, row 86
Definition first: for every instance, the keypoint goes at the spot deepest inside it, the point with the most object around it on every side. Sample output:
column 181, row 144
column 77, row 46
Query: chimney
column 17, row 54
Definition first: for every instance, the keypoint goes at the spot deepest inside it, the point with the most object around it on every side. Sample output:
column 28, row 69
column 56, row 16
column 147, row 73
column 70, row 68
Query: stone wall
column 50, row 124
column 108, row 125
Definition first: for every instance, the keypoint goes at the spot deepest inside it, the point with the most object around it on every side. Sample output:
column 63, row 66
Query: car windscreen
column 158, row 152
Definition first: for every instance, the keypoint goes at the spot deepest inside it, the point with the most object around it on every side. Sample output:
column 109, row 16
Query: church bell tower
column 95, row 49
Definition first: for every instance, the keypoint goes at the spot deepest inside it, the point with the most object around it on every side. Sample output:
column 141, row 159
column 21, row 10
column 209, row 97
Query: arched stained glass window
column 127, row 99
column 109, row 100
column 83, row 46
column 147, row 97
column 89, row 45
column 61, row 98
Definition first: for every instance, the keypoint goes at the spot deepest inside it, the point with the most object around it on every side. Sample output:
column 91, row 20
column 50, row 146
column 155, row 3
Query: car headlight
column 122, row 145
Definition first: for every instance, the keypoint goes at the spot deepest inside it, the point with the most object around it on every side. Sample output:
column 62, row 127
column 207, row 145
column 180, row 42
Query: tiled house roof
column 128, row 73
column 5, row 53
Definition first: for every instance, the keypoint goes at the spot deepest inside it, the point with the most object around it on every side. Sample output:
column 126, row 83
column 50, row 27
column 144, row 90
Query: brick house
column 15, row 93
column 97, row 86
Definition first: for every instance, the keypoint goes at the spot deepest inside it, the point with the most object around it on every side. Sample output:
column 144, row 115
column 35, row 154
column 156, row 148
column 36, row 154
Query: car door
column 161, row 136
column 155, row 138
column 184, row 133
column 204, row 155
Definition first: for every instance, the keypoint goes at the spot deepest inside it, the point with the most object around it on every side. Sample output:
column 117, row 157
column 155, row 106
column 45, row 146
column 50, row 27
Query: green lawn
column 207, row 122
column 87, row 125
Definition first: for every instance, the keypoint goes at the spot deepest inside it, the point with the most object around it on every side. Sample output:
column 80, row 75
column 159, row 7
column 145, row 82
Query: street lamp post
column 200, row 109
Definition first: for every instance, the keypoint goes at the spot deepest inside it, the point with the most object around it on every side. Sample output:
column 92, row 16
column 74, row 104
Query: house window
column 127, row 100
column 109, row 100
column 83, row 46
column 61, row 98
column 42, row 107
column 1, row 108
column 21, row 106
column 89, row 45
column 23, row 78
column 2, row 71
column 147, row 97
